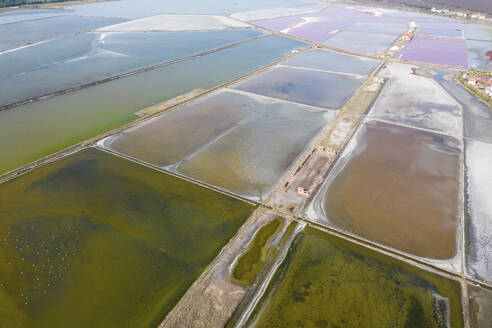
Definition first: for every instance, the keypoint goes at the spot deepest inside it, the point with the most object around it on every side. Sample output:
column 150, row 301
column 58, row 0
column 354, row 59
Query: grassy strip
column 261, row 275
column 251, row 262
column 276, row 250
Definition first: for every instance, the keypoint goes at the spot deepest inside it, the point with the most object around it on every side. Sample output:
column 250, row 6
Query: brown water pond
column 397, row 186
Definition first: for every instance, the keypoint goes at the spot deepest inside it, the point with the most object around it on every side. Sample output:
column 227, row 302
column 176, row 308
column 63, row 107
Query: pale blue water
column 14, row 16
column 143, row 8
column 477, row 54
column 30, row 31
column 455, row 33
column 478, row 32
column 10, row 19
column 303, row 86
column 37, row 129
column 43, row 55
column 393, row 29
column 82, row 58
column 328, row 60
column 361, row 42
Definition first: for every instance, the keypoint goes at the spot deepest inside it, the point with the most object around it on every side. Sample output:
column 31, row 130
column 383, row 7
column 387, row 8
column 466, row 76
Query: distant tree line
column 11, row 3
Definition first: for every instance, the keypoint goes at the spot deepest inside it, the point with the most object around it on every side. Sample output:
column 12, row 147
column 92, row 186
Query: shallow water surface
column 143, row 8
column 477, row 117
column 30, row 31
column 278, row 23
column 478, row 32
column 328, row 282
column 384, row 28
column 169, row 138
column 333, row 61
column 88, row 57
column 37, row 129
column 480, row 55
column 93, row 240
column 454, row 33
column 361, row 42
column 255, row 138
column 308, row 87
column 478, row 160
column 15, row 16
column 254, row 155
column 436, row 51
column 397, row 186
column 37, row 57
column 419, row 101
column 317, row 30
column 480, row 306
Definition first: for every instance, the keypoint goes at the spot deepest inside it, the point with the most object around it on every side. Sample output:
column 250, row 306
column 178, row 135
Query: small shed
column 302, row 191
column 407, row 37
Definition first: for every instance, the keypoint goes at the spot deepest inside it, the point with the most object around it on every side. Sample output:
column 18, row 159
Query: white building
column 488, row 90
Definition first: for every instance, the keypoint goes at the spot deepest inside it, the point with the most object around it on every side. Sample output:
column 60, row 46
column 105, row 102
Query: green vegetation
column 262, row 274
column 329, row 282
column 93, row 231
column 12, row 3
column 251, row 262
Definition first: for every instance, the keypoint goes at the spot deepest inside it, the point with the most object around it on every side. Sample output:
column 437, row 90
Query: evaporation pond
column 145, row 8
column 38, row 56
column 478, row 160
column 328, row 60
column 477, row 116
column 86, row 57
column 478, row 32
column 452, row 33
column 15, row 16
column 397, row 186
column 436, row 51
column 317, row 30
column 304, row 86
column 34, row 130
column 361, row 42
column 384, row 28
column 93, row 240
column 256, row 139
column 278, row 23
column 31, row 31
column 480, row 55
column 416, row 100
column 480, row 306
column 327, row 282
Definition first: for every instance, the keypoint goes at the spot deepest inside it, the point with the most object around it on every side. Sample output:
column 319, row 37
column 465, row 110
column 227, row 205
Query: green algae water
column 251, row 262
column 93, row 240
column 37, row 129
column 328, row 282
